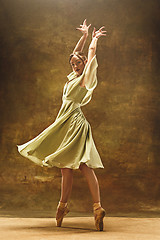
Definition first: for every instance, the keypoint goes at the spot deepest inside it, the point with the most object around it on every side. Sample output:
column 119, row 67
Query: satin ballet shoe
column 62, row 210
column 99, row 214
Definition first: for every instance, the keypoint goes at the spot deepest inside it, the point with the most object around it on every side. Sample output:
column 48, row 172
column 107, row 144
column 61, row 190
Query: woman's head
column 78, row 61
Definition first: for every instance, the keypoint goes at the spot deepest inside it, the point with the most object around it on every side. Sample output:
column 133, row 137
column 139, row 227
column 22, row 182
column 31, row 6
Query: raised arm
column 93, row 44
column 92, row 50
column 84, row 29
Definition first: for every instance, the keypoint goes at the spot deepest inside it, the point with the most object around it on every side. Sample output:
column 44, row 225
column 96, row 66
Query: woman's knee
column 82, row 166
column 66, row 171
column 85, row 169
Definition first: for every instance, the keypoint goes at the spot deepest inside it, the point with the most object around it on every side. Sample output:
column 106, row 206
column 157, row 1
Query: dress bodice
column 73, row 90
column 75, row 96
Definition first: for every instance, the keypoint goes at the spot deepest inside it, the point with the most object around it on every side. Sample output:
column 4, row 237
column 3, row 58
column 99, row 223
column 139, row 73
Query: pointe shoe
column 99, row 214
column 62, row 210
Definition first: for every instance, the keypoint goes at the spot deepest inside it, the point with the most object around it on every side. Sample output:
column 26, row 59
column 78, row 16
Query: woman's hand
column 98, row 33
column 84, row 28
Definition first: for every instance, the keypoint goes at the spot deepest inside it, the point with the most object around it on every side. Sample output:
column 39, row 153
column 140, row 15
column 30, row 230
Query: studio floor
column 77, row 228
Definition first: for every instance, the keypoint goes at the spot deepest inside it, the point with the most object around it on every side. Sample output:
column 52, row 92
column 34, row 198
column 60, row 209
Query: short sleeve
column 90, row 81
column 91, row 74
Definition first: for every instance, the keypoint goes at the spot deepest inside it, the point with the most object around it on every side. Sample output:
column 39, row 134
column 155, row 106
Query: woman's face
column 77, row 65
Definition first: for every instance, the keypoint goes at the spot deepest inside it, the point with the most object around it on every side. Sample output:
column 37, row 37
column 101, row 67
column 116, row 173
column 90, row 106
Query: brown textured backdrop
column 36, row 38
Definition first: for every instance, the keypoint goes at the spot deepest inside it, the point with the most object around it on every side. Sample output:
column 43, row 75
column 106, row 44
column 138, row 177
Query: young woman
column 68, row 142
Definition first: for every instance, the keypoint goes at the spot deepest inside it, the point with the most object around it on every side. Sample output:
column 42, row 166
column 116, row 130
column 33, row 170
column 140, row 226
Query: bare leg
column 66, row 184
column 66, row 188
column 92, row 182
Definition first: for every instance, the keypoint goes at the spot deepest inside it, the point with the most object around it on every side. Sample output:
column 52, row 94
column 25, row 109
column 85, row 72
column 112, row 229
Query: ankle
column 96, row 206
column 62, row 205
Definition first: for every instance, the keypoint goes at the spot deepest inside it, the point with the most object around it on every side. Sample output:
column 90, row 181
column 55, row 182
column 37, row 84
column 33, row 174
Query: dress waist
column 64, row 99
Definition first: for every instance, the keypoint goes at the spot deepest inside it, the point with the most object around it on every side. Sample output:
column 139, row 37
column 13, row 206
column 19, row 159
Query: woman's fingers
column 84, row 28
column 101, row 34
column 103, row 31
column 101, row 28
column 84, row 22
column 94, row 31
column 79, row 29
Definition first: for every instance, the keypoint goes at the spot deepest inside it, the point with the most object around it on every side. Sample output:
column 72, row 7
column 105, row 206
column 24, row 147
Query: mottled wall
column 36, row 39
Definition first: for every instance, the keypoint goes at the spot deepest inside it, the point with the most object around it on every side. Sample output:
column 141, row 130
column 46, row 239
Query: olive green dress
column 68, row 141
